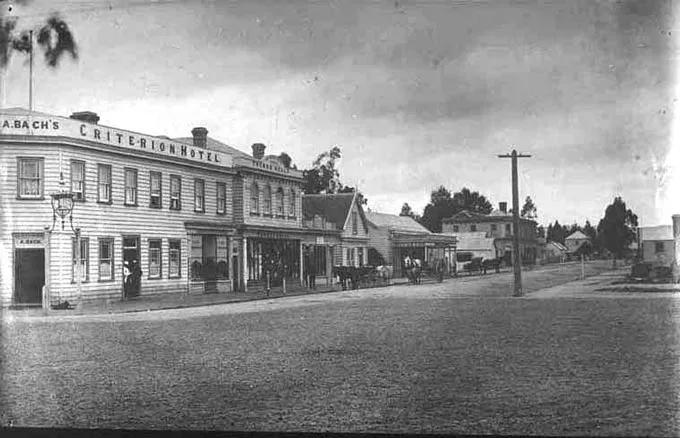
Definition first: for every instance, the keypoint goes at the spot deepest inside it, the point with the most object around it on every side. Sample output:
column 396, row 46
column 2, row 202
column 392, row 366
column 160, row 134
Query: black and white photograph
column 420, row 217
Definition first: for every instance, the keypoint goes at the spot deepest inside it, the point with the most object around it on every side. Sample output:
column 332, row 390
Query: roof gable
column 333, row 208
column 577, row 235
column 394, row 222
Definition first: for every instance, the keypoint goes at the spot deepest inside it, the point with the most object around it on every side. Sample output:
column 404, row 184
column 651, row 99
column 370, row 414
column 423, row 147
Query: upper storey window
column 254, row 199
column 78, row 180
column 279, row 202
column 30, row 178
column 267, row 200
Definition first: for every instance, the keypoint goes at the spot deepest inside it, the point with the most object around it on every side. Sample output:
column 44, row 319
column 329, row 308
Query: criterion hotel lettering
column 149, row 144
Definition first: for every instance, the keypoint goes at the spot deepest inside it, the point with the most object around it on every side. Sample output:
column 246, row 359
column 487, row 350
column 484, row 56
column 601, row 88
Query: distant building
column 473, row 245
column 497, row 225
column 393, row 237
column 554, row 252
column 578, row 244
column 656, row 244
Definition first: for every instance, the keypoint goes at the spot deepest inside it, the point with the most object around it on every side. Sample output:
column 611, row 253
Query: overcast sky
column 416, row 93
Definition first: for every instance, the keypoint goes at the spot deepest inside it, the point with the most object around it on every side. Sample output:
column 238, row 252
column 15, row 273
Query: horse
column 413, row 268
column 384, row 273
column 491, row 264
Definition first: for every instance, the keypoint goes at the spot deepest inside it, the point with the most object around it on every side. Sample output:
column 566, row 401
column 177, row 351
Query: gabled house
column 554, row 252
column 343, row 213
column 393, row 237
column 578, row 244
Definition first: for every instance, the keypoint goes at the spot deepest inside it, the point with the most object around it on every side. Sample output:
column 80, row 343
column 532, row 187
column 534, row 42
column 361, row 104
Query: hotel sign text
column 62, row 127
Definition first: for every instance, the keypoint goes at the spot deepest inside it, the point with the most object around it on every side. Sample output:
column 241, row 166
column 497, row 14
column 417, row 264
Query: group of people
column 132, row 278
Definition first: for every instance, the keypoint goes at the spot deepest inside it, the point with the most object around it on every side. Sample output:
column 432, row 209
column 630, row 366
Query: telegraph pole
column 516, row 258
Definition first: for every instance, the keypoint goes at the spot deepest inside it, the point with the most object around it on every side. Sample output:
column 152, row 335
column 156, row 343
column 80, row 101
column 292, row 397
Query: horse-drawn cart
column 365, row 276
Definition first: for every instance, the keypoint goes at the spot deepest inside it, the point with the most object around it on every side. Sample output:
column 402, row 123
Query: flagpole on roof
column 30, row 72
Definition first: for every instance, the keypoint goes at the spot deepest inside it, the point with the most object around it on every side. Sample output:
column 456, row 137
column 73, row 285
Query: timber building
column 196, row 215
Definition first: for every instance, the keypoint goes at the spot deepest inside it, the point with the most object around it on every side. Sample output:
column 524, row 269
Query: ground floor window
column 175, row 258
column 279, row 255
column 106, row 259
column 208, row 257
column 84, row 259
column 155, row 258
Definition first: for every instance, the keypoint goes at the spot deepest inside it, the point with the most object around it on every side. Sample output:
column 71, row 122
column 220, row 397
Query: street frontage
column 462, row 356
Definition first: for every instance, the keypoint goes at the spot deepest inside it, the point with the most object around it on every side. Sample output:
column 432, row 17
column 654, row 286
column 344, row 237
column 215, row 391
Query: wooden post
column 267, row 290
column 517, row 261
column 79, row 270
column 583, row 268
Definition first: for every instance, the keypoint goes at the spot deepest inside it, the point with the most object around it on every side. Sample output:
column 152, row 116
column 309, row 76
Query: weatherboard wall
column 98, row 220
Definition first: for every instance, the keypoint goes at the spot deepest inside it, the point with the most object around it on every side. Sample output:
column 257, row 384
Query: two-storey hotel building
column 196, row 215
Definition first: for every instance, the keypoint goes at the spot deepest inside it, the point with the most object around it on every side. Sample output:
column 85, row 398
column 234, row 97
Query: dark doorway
column 29, row 276
column 132, row 268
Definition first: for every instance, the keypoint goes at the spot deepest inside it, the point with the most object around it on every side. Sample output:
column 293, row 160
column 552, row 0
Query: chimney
column 200, row 137
column 86, row 116
column 258, row 151
column 503, row 206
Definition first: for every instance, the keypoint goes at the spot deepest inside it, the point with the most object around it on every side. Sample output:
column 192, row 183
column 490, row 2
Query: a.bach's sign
column 36, row 125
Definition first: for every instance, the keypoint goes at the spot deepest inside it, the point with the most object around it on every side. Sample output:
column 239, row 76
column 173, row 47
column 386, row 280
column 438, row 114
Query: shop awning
column 405, row 240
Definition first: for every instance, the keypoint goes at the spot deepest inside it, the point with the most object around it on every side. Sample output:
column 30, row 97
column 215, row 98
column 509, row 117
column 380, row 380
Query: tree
column 529, row 209
column 440, row 206
column 540, row 231
column 323, row 177
column 407, row 211
column 617, row 229
column 590, row 231
column 471, row 201
column 287, row 161
column 54, row 38
column 557, row 232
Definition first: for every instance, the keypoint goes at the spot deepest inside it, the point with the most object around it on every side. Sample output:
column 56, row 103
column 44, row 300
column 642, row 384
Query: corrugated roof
column 395, row 222
column 215, row 145
column 334, row 207
column 25, row 112
column 659, row 232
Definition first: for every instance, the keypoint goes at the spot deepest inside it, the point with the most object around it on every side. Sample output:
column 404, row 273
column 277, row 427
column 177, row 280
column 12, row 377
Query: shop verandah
column 433, row 250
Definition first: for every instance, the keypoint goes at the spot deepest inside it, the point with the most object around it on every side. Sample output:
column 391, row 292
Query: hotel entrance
column 132, row 267
column 29, row 269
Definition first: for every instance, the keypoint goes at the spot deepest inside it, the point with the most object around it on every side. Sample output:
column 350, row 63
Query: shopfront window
column 320, row 260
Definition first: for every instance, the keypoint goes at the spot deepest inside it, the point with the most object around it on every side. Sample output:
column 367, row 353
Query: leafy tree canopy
column 443, row 205
column 618, row 228
column 529, row 210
